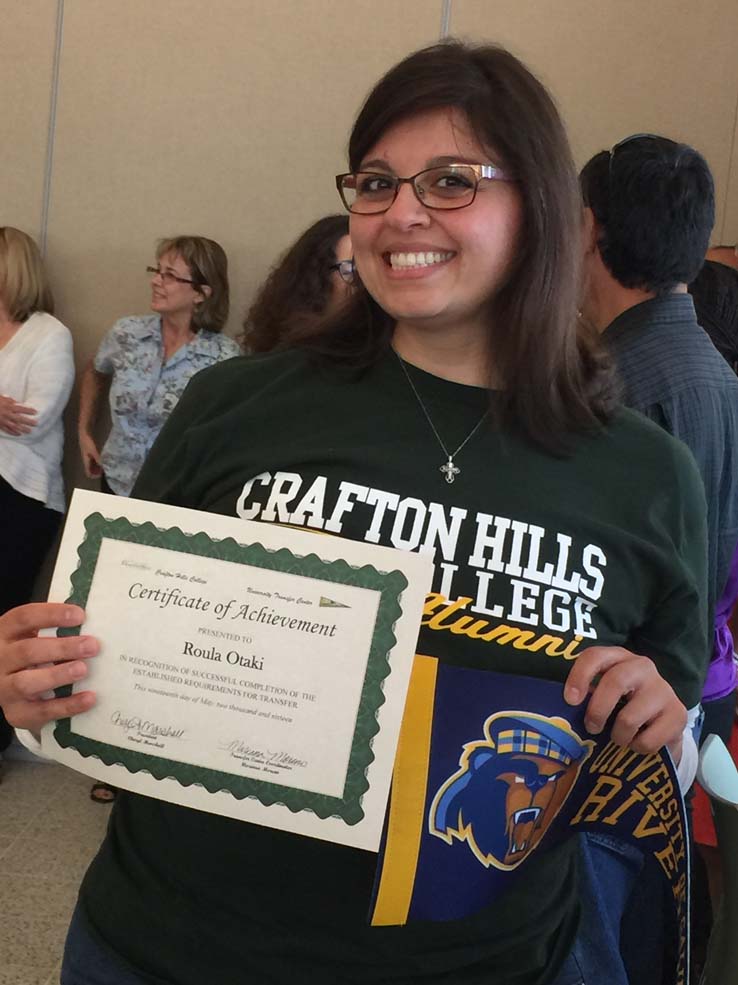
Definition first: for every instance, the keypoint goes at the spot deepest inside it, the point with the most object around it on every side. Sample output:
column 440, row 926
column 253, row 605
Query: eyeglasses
column 345, row 269
column 168, row 277
column 452, row 186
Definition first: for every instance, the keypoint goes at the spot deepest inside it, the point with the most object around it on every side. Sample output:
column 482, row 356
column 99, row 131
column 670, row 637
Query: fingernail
column 77, row 670
column 593, row 728
column 87, row 646
column 73, row 615
column 572, row 695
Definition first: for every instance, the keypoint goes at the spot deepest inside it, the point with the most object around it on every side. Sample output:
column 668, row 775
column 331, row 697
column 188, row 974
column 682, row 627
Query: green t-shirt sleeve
column 676, row 634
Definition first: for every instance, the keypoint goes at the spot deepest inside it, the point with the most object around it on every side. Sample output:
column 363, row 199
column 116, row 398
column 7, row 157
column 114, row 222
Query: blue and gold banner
column 492, row 768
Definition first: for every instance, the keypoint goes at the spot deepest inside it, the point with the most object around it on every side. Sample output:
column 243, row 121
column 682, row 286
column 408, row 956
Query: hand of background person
column 31, row 665
column 652, row 715
column 15, row 418
column 90, row 456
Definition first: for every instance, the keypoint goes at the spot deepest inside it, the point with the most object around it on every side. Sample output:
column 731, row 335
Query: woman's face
column 170, row 296
column 477, row 244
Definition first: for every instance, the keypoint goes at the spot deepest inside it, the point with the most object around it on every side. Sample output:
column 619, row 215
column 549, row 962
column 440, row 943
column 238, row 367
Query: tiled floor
column 49, row 830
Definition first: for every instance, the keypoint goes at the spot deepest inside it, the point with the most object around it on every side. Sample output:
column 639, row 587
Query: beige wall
column 618, row 67
column 729, row 231
column 230, row 119
column 27, row 42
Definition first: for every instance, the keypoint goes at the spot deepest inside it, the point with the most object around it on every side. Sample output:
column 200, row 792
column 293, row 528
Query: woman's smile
column 417, row 261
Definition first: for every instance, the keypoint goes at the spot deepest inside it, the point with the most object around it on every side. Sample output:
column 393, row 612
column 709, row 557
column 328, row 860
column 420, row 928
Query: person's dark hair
column 654, row 203
column 715, row 296
column 555, row 382
column 293, row 299
column 208, row 265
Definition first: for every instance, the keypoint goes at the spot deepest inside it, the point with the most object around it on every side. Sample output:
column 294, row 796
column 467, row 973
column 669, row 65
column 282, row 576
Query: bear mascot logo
column 510, row 786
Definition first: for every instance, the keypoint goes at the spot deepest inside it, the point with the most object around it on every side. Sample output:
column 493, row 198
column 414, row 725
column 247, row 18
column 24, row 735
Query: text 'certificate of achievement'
column 246, row 669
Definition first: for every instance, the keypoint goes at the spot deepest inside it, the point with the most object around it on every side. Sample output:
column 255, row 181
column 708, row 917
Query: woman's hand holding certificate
column 31, row 666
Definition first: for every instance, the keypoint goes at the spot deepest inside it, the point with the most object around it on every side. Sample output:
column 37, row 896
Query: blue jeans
column 89, row 962
column 609, row 872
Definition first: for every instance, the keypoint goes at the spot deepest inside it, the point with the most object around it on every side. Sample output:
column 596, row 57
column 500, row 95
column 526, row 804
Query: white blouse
column 37, row 369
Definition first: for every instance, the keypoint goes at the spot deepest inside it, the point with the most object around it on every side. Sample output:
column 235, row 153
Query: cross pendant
column 450, row 471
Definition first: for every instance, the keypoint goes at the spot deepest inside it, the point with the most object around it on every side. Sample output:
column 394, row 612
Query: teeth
column 417, row 259
column 526, row 815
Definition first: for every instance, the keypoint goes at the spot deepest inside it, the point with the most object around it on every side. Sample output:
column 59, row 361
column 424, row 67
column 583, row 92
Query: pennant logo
column 510, row 786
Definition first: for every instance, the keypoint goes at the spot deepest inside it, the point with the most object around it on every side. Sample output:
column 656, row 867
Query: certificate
column 246, row 669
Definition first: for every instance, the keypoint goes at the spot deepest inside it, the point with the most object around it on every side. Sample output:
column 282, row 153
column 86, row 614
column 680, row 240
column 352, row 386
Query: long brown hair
column 292, row 301
column 556, row 379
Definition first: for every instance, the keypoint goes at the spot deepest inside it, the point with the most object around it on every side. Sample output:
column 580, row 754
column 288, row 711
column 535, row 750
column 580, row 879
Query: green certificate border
column 390, row 585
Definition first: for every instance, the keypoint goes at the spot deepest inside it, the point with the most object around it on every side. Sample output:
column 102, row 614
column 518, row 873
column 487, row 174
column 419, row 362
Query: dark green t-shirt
column 536, row 558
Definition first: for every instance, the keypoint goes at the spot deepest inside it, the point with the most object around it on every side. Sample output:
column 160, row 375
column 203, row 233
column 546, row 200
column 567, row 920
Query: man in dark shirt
column 650, row 208
column 715, row 296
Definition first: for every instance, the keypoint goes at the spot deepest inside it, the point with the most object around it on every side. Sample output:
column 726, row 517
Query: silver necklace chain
column 449, row 468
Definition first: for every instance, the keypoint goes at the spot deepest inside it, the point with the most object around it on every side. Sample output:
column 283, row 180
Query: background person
column 650, row 207
column 454, row 384
column 36, row 377
column 650, row 212
column 146, row 361
column 715, row 294
column 310, row 279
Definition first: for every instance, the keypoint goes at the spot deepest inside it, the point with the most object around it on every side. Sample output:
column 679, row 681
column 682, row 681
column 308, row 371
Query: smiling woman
column 452, row 406
column 465, row 221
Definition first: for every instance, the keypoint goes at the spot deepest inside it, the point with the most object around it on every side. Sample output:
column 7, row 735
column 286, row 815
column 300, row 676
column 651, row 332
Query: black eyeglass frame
column 489, row 172
column 346, row 270
column 180, row 280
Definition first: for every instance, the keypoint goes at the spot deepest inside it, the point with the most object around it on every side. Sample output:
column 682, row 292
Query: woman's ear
column 589, row 231
column 204, row 291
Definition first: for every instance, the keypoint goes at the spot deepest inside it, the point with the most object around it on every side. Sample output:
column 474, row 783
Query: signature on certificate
column 145, row 727
column 264, row 757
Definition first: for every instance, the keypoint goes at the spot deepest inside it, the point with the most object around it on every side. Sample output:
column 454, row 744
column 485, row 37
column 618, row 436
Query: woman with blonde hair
column 36, row 376
column 145, row 361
